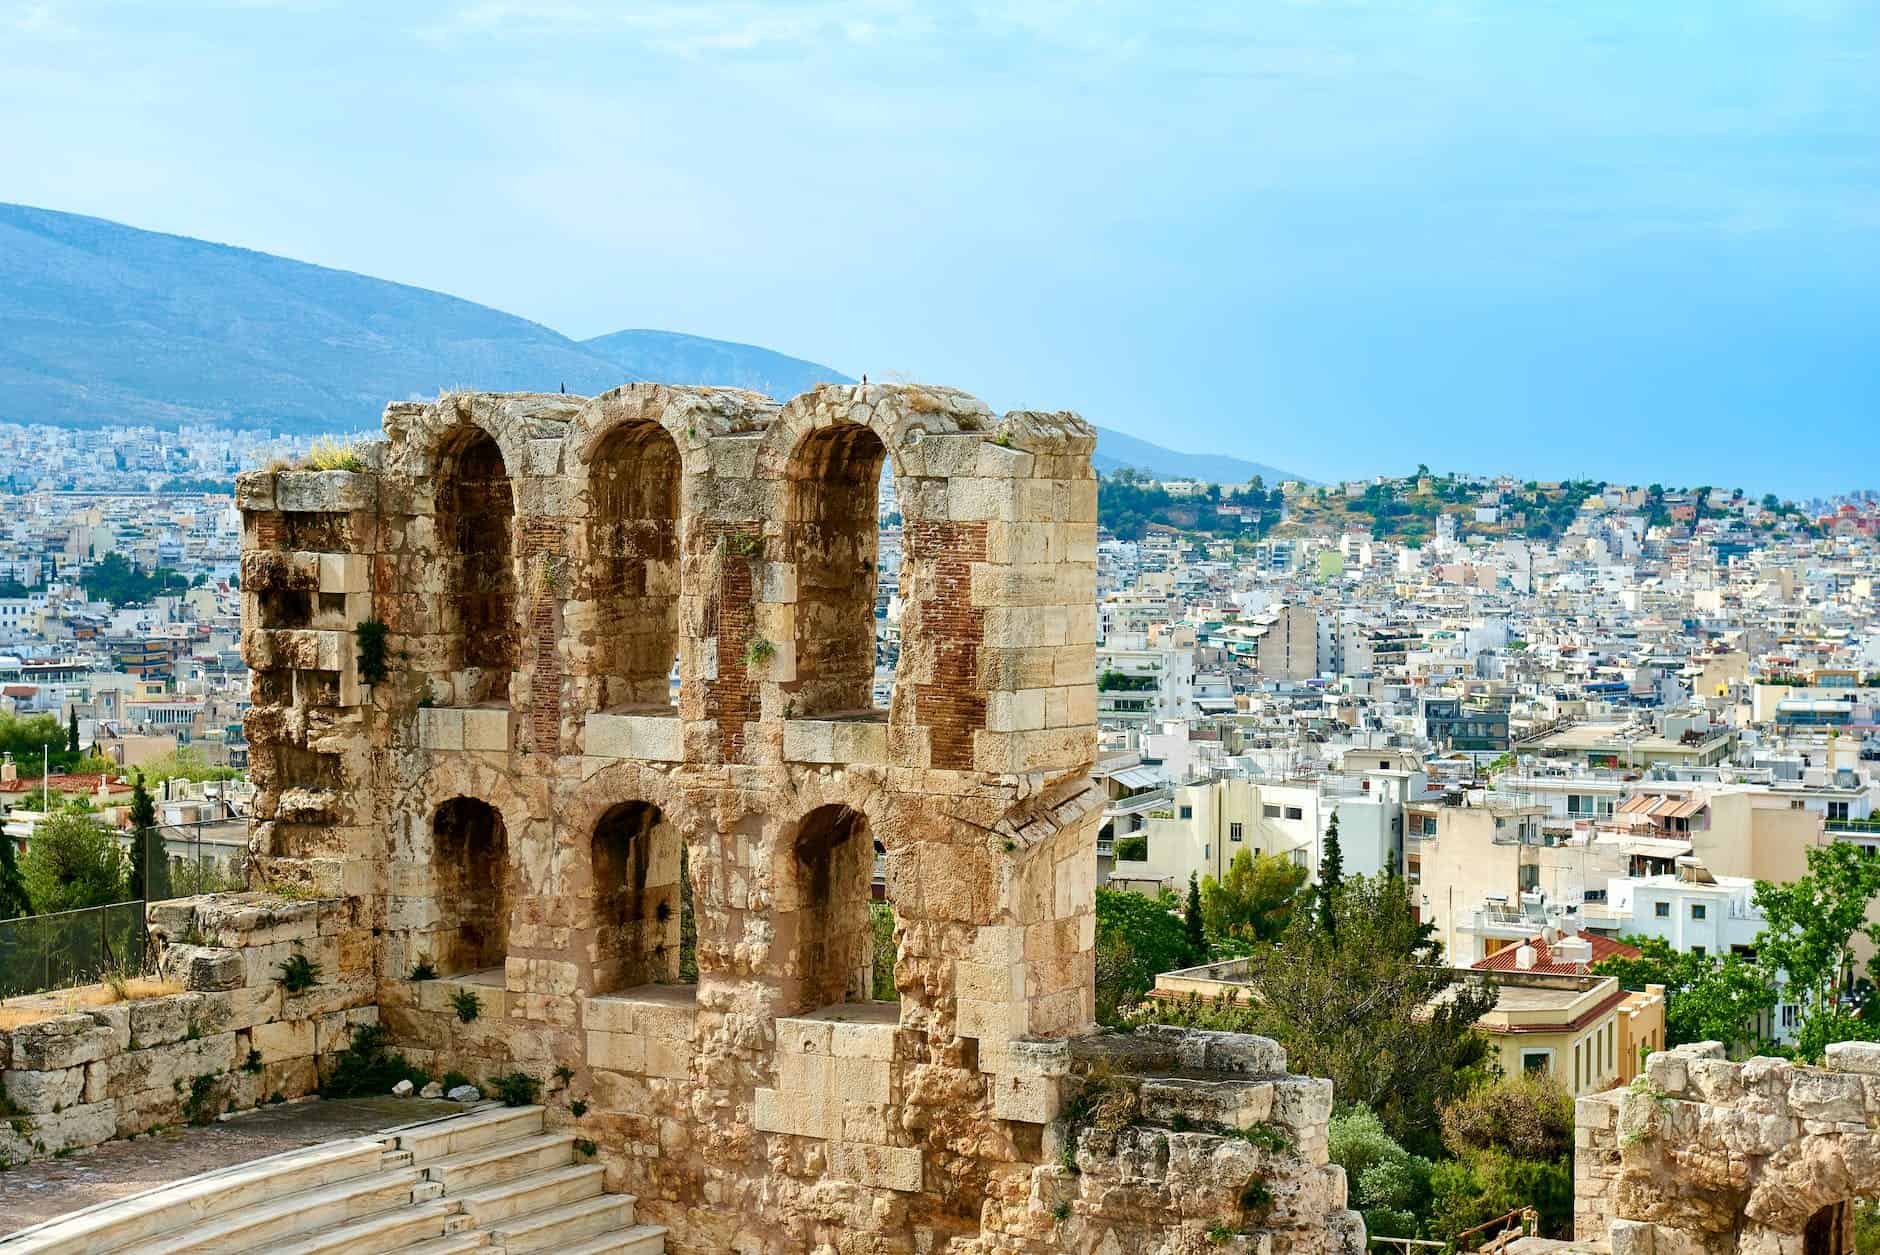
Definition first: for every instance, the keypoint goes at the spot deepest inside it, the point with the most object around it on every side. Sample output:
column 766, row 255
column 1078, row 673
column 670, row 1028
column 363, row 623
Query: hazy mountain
column 1115, row 449
column 103, row 325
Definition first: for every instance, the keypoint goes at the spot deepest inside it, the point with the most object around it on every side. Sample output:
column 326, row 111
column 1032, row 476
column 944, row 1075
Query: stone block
column 160, row 1021
column 62, row 1041
column 204, row 968
column 286, row 1039
column 38, row 1092
column 862, row 1041
column 1854, row 1056
column 861, row 1080
column 486, row 730
column 1031, row 1099
column 323, row 492
column 440, row 728
column 881, row 1167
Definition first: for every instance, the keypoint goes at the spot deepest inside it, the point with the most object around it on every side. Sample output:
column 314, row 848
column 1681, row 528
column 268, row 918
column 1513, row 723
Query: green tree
column 1138, row 938
column 1812, row 924
column 1331, row 878
column 1376, row 1011
column 72, row 863
column 1707, row 997
column 149, row 864
column 71, row 733
column 14, row 900
column 1193, row 923
column 1253, row 900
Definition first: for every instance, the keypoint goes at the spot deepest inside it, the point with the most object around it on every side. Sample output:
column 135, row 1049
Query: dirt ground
column 51, row 1187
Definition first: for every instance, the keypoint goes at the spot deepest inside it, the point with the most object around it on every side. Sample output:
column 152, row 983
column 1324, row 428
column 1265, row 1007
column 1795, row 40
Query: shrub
column 586, row 1147
column 327, row 453
column 369, row 1066
column 758, row 653
column 466, row 1004
column 577, row 1108
column 370, row 635
column 453, row 1080
column 422, row 970
column 1132, row 849
column 516, row 1089
column 299, row 974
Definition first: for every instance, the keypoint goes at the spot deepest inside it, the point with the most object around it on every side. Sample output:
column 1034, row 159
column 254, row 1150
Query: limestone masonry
column 514, row 801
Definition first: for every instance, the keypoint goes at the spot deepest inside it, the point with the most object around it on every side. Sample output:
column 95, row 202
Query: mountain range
column 104, row 325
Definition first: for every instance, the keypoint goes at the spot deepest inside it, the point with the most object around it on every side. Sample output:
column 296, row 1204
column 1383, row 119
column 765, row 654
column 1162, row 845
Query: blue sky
column 1631, row 240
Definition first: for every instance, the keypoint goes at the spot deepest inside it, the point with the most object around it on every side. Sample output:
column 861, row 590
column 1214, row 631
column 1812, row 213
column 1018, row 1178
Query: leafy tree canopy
column 72, row 863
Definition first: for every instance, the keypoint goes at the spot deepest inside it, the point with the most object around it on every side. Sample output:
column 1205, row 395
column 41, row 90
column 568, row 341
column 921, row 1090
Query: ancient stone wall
column 520, row 804
column 1702, row 1155
column 232, row 1038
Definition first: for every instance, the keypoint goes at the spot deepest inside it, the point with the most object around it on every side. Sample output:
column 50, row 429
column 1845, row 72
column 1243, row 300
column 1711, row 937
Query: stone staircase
column 491, row 1181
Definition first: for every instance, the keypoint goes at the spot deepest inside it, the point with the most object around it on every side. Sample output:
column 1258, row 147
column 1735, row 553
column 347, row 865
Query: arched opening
column 641, row 901
column 633, row 544
column 1830, row 1231
column 475, row 519
column 824, row 912
column 470, row 877
column 833, row 526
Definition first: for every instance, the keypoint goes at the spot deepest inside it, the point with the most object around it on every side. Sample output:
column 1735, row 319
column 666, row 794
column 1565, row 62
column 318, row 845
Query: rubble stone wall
column 1762, row 1157
column 233, row 1038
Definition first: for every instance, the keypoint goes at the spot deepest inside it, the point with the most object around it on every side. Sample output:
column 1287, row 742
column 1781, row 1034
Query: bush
column 1530, row 1117
column 453, row 1080
column 516, row 1089
column 370, row 1066
column 71, row 863
column 299, row 974
column 370, row 636
column 1132, row 849
column 1388, row 1184
column 881, row 916
column 466, row 1004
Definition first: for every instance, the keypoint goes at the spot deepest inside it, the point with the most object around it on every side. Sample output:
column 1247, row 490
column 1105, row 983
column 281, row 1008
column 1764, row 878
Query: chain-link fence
column 68, row 948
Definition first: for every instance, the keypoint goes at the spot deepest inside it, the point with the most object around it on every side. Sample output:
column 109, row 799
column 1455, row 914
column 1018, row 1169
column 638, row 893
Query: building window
column 1661, row 910
column 1293, row 812
column 1429, row 825
column 1699, row 910
column 1188, row 812
column 1233, row 832
column 1699, row 951
column 1837, row 810
column 1537, row 1062
column 1269, row 812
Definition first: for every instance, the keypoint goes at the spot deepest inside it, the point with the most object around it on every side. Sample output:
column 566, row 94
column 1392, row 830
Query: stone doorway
column 638, row 899
column 823, row 919
column 1830, row 1231
column 470, row 877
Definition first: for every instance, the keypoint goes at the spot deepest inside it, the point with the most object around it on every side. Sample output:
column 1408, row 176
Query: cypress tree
column 71, row 733
column 14, row 900
column 1197, row 939
column 145, row 877
column 1331, row 877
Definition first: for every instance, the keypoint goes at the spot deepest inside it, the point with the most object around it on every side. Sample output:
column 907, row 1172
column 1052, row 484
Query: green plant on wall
column 758, row 653
column 370, row 636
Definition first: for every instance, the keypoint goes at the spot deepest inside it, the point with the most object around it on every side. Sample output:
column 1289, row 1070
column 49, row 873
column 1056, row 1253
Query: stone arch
column 822, row 911
column 474, row 525
column 472, row 881
column 830, row 528
column 631, row 576
column 638, row 901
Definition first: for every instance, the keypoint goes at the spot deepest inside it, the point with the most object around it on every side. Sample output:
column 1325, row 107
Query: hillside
column 102, row 324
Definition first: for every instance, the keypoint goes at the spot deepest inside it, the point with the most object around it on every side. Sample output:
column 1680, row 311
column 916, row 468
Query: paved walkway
column 51, row 1187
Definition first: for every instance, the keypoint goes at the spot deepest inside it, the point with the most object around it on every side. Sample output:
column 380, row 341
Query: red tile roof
column 73, row 782
column 1503, row 960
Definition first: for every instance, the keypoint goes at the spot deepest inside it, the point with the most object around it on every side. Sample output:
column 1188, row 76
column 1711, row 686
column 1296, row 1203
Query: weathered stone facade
column 232, row 1037
column 516, row 803
column 1702, row 1156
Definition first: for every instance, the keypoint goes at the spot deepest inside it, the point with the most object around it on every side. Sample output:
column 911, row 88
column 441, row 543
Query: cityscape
column 1310, row 685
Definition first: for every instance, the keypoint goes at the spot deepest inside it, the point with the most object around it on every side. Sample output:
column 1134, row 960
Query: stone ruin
column 463, row 725
column 1702, row 1156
